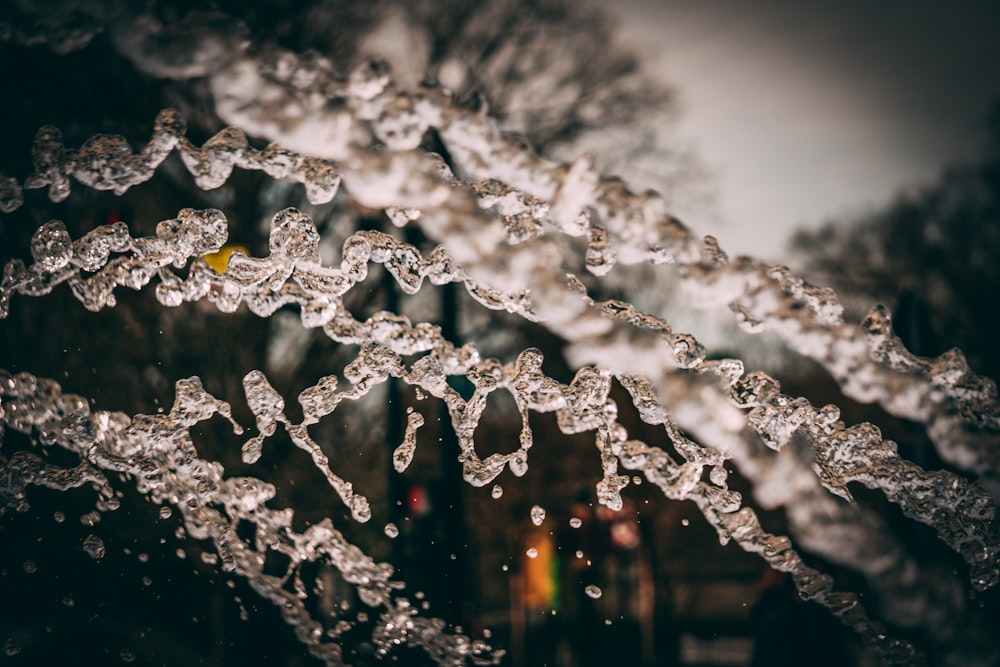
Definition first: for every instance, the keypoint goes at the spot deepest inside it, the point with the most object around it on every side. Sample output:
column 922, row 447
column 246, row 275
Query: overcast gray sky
column 810, row 110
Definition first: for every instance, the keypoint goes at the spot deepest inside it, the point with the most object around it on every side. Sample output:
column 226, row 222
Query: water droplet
column 532, row 552
column 59, row 517
column 391, row 530
column 593, row 591
column 30, row 566
column 537, row 515
column 165, row 512
column 575, row 522
column 11, row 647
column 685, row 522
column 496, row 492
column 94, row 546
column 127, row 655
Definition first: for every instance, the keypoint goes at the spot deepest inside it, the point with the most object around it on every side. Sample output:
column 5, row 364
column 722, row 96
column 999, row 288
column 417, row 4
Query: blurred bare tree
column 931, row 255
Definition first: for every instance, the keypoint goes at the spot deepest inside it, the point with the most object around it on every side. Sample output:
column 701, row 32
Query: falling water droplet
column 537, row 515
column 593, row 591
column 94, row 546
column 575, row 522
column 497, row 491
column 165, row 512
column 391, row 530
column 532, row 552
column 11, row 647
column 30, row 566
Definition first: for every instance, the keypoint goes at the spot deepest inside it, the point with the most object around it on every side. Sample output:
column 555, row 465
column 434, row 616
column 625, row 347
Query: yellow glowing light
column 220, row 260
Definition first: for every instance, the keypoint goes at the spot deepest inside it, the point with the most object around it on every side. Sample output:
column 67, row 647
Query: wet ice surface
column 494, row 231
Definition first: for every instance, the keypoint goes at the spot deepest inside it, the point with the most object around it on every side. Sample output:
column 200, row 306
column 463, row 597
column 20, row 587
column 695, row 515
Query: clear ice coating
column 497, row 226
